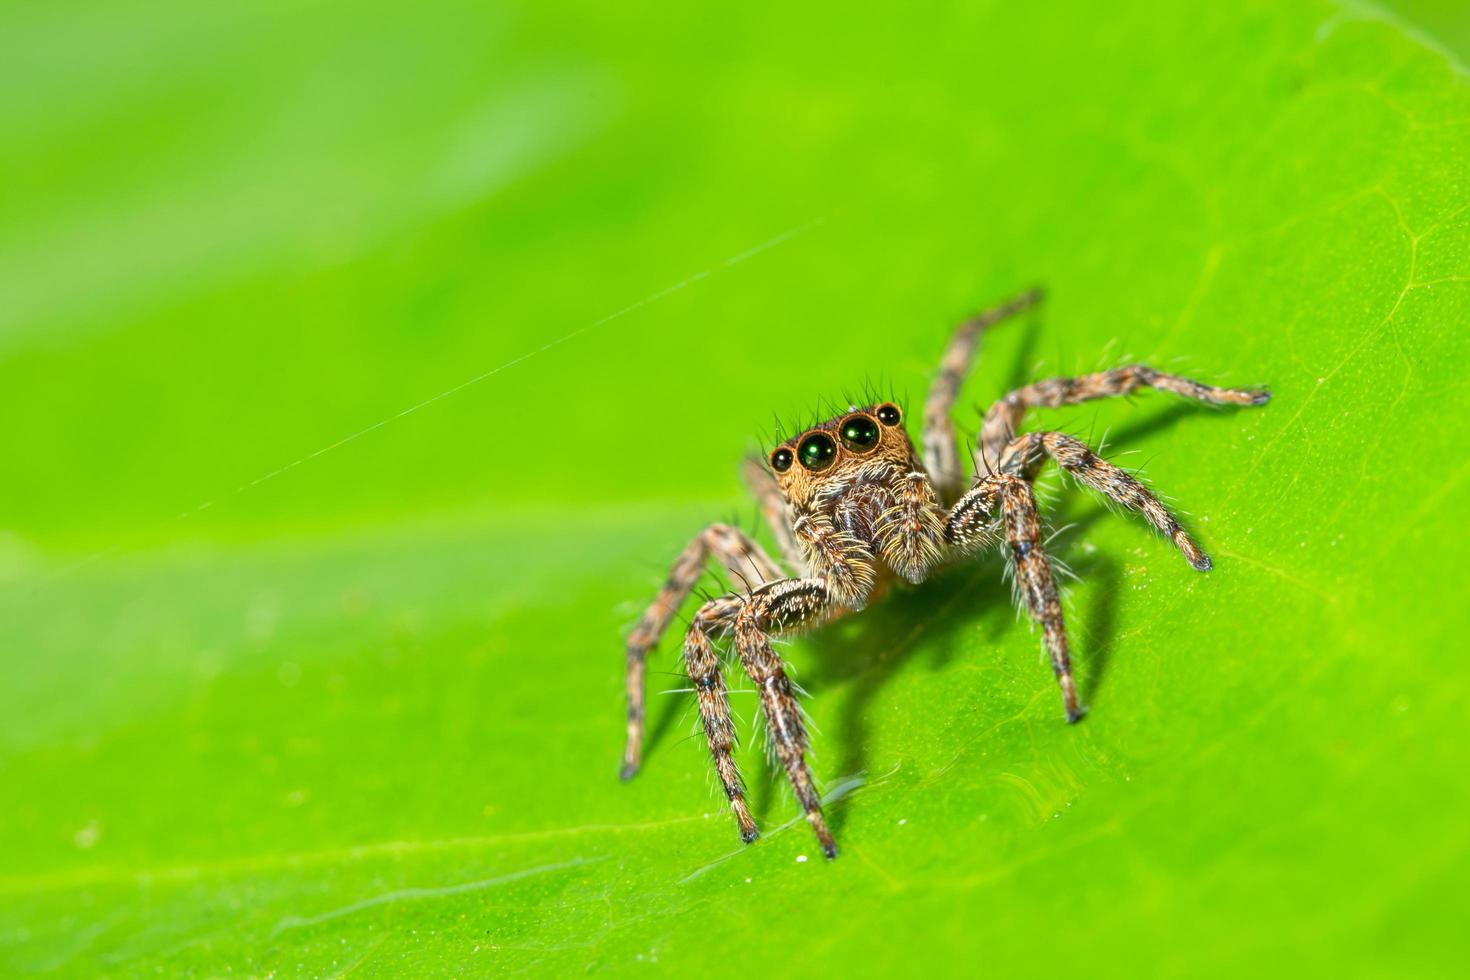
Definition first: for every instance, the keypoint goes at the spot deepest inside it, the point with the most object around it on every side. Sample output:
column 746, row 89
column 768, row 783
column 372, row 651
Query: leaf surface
column 441, row 337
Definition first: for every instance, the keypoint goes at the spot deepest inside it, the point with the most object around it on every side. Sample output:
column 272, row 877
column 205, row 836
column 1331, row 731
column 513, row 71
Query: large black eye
column 859, row 433
column 781, row 460
column 817, row 451
column 889, row 414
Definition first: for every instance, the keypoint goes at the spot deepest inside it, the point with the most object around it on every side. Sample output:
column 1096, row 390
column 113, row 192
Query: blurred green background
column 307, row 670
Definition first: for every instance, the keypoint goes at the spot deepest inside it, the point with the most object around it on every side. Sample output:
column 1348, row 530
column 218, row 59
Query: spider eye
column 859, row 433
column 817, row 451
column 781, row 460
column 889, row 414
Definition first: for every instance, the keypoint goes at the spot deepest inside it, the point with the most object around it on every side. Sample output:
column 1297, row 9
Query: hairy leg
column 773, row 508
column 703, row 666
column 970, row 520
column 1004, row 418
column 740, row 555
column 776, row 608
column 941, row 451
column 1023, row 457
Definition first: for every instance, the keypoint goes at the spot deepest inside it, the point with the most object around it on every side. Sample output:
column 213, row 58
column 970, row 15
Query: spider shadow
column 971, row 599
column 867, row 650
column 1093, row 637
column 1135, row 430
column 676, row 705
column 1023, row 358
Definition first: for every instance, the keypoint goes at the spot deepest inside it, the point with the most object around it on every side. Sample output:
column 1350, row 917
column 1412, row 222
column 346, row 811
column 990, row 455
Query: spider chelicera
column 853, row 508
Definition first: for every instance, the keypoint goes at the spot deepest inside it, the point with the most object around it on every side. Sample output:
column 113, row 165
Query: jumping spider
column 853, row 508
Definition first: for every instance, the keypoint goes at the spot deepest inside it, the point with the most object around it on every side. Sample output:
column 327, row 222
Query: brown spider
column 853, row 508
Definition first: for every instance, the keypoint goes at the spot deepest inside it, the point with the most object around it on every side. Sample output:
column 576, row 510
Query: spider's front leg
column 1023, row 456
column 968, row 527
column 703, row 666
column 772, row 608
column 1003, row 420
column 775, row 608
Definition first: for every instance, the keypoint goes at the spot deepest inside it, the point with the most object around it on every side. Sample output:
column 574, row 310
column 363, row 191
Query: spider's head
column 835, row 453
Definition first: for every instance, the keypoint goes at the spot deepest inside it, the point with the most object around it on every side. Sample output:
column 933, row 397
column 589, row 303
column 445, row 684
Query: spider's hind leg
column 941, row 449
column 772, row 503
column 740, row 555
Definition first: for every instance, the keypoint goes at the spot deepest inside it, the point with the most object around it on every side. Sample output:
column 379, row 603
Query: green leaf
column 363, row 373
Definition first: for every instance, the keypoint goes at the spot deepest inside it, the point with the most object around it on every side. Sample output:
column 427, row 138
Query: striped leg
column 1004, row 418
column 1022, row 457
column 941, row 451
column 773, row 609
column 773, row 508
column 703, row 666
column 971, row 518
column 740, row 555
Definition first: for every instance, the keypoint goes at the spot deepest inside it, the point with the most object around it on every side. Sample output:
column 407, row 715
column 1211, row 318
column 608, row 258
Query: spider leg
column 703, row 666
column 968, row 522
column 1022, row 457
column 773, row 508
column 739, row 554
column 778, row 607
column 941, row 449
column 1004, row 418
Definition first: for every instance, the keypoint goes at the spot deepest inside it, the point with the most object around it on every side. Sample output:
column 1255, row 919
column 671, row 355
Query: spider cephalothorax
column 853, row 506
column 858, row 501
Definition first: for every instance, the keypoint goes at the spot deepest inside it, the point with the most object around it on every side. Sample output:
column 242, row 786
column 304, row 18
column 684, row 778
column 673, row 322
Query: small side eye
column 817, row 451
column 781, row 460
column 889, row 414
column 859, row 433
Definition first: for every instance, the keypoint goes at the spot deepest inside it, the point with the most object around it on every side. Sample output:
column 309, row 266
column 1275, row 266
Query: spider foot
column 824, row 836
column 1074, row 710
column 628, row 771
column 1197, row 559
